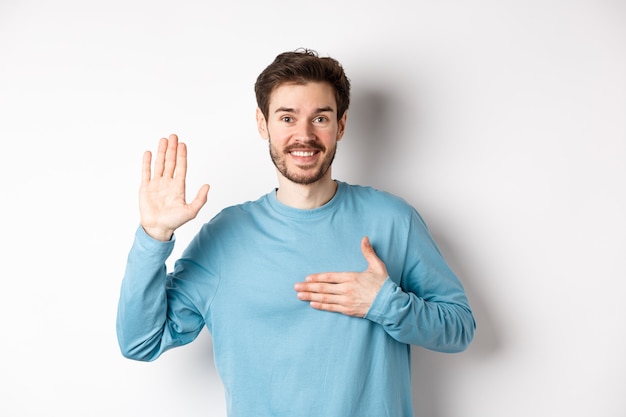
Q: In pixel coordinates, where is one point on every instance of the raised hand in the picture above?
(162, 203)
(350, 293)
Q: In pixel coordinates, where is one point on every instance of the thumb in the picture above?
(201, 198)
(373, 261)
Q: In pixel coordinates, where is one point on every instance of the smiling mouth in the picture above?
(303, 153)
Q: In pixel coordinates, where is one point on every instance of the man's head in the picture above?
(300, 67)
(302, 109)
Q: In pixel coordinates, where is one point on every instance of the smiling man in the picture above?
(313, 293)
(309, 132)
(303, 136)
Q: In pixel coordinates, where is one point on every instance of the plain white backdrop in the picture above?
(502, 122)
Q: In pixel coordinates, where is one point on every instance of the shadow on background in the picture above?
(381, 154)
(431, 370)
(370, 150)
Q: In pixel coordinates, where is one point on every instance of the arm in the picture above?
(153, 316)
(426, 306)
(150, 318)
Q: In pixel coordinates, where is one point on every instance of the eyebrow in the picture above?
(292, 110)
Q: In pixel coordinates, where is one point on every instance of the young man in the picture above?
(313, 293)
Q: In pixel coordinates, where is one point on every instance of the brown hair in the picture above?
(302, 66)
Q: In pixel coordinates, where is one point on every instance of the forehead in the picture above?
(303, 96)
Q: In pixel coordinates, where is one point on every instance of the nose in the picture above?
(304, 131)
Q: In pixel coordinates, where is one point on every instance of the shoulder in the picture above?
(376, 199)
(239, 214)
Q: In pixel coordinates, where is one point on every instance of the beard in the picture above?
(307, 174)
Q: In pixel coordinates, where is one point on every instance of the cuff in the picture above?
(376, 312)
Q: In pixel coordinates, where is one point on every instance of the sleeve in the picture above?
(426, 306)
(153, 314)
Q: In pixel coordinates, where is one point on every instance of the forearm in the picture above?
(442, 325)
(142, 307)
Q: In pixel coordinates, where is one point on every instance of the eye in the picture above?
(287, 119)
(320, 119)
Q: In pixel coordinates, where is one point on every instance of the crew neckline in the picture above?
(303, 214)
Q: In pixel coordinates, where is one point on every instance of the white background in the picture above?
(502, 122)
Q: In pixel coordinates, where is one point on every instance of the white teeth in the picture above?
(302, 153)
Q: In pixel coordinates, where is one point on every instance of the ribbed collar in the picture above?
(308, 214)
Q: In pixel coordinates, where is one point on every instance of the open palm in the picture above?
(162, 203)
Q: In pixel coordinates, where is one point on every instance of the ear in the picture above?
(341, 128)
(261, 124)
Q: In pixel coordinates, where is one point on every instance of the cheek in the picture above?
(331, 136)
(278, 135)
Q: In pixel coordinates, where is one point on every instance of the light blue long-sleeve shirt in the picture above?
(276, 355)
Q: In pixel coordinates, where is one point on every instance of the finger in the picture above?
(180, 168)
(366, 248)
(201, 198)
(329, 277)
(318, 288)
(356, 311)
(159, 162)
(170, 156)
(145, 167)
(324, 298)
(373, 261)
(335, 308)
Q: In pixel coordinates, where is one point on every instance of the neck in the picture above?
(305, 197)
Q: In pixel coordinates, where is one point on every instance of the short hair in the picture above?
(301, 67)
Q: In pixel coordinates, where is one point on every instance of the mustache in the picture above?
(305, 146)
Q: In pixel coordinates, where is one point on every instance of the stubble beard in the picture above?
(311, 175)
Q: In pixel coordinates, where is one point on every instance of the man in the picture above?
(313, 293)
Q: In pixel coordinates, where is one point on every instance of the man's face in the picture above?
(303, 130)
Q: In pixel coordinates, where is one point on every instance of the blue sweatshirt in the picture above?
(275, 355)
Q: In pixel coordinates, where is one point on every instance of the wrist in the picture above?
(163, 235)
